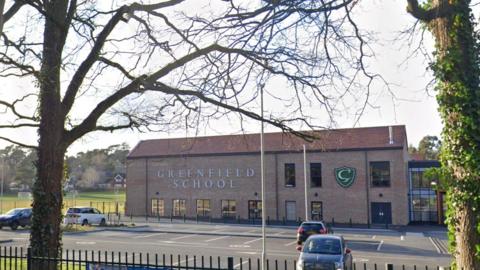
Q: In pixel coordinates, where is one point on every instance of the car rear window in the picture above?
(313, 226)
(323, 246)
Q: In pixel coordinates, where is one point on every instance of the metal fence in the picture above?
(104, 207)
(15, 258)
(236, 220)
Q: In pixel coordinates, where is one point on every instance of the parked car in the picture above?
(325, 252)
(84, 216)
(309, 228)
(16, 217)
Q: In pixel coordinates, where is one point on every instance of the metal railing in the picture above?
(15, 258)
(104, 207)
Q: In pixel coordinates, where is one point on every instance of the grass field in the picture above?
(104, 201)
(21, 264)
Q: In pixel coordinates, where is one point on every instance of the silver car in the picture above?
(324, 252)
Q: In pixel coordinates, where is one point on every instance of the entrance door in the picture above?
(317, 211)
(290, 208)
(254, 209)
(381, 213)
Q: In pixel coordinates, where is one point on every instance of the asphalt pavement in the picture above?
(244, 241)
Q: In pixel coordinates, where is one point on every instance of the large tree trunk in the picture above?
(457, 70)
(45, 239)
(466, 238)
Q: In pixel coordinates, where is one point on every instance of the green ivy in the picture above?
(456, 69)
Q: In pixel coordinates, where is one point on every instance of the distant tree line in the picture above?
(90, 170)
(428, 148)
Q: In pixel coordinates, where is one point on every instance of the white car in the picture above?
(84, 215)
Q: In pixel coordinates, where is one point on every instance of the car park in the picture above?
(16, 217)
(308, 228)
(84, 215)
(324, 252)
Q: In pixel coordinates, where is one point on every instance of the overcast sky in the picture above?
(409, 105)
(406, 102)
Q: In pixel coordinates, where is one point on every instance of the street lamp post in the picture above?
(305, 180)
(1, 187)
(262, 173)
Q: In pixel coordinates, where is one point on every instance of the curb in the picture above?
(106, 228)
(83, 232)
(203, 233)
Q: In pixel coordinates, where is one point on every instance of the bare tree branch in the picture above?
(442, 10)
(13, 108)
(18, 143)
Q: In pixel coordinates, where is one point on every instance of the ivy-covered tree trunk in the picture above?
(45, 238)
(457, 72)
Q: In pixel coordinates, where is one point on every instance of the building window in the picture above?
(203, 208)
(229, 208)
(254, 209)
(317, 210)
(289, 174)
(315, 174)
(179, 208)
(380, 173)
(424, 207)
(418, 181)
(158, 208)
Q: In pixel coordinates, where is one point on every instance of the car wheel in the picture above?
(14, 225)
(103, 222)
(1, 227)
(84, 222)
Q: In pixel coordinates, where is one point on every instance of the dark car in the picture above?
(16, 217)
(324, 252)
(309, 228)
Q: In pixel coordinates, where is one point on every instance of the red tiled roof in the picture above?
(329, 140)
(417, 156)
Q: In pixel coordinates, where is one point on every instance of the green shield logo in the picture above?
(345, 176)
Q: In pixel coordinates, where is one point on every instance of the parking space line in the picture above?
(147, 235)
(290, 244)
(402, 238)
(435, 245)
(373, 237)
(238, 264)
(380, 245)
(184, 236)
(182, 261)
(251, 241)
(218, 238)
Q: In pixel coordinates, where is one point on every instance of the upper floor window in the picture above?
(289, 174)
(419, 181)
(380, 173)
(315, 174)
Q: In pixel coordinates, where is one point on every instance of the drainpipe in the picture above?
(367, 180)
(146, 186)
(276, 187)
